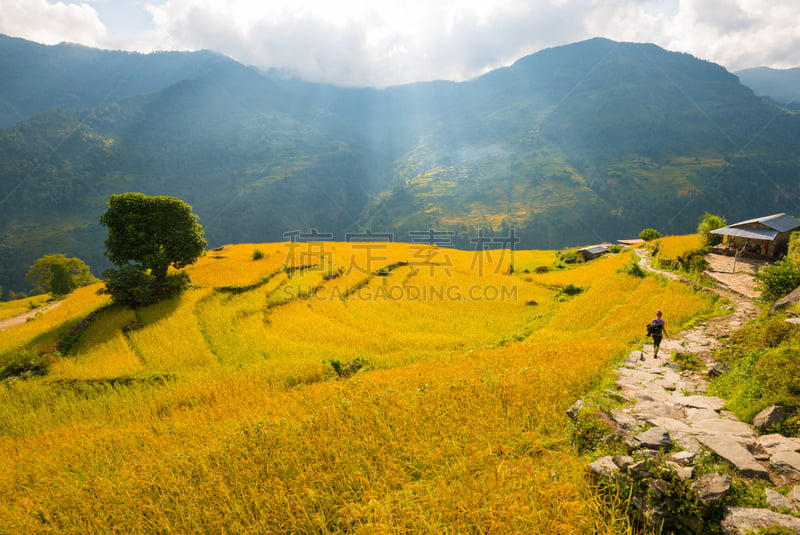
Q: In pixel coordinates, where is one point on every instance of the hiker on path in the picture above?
(657, 329)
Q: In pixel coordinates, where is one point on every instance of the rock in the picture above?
(768, 417)
(786, 302)
(652, 439)
(683, 472)
(639, 470)
(719, 426)
(687, 442)
(573, 411)
(741, 520)
(625, 421)
(777, 500)
(699, 402)
(728, 448)
(654, 409)
(787, 463)
(659, 487)
(603, 467)
(670, 424)
(698, 415)
(711, 488)
(718, 369)
(683, 457)
(794, 496)
(623, 461)
(636, 356)
(775, 443)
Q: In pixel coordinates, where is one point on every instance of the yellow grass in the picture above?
(456, 426)
(674, 246)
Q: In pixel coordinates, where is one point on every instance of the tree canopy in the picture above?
(58, 274)
(708, 223)
(152, 232)
(147, 235)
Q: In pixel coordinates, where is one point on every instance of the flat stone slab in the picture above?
(670, 424)
(654, 409)
(721, 426)
(651, 393)
(777, 500)
(740, 520)
(653, 439)
(699, 415)
(699, 402)
(787, 463)
(625, 421)
(686, 441)
(776, 443)
(729, 449)
(711, 488)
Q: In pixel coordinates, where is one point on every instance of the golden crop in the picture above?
(232, 418)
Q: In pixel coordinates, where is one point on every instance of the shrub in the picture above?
(778, 279)
(569, 255)
(542, 269)
(589, 428)
(633, 267)
(571, 289)
(649, 234)
(258, 254)
(346, 369)
(25, 363)
(615, 249)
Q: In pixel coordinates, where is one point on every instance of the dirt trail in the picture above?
(19, 319)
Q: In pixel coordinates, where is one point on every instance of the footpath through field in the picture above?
(19, 319)
(672, 400)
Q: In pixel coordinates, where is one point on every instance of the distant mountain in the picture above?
(39, 77)
(573, 145)
(781, 85)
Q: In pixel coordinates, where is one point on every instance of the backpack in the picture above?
(654, 329)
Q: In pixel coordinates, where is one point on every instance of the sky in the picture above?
(390, 42)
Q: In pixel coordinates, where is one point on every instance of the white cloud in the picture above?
(50, 23)
(386, 42)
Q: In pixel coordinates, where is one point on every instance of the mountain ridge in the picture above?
(572, 145)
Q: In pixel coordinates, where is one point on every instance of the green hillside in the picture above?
(577, 144)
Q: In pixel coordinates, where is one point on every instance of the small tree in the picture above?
(59, 274)
(147, 235)
(708, 223)
(649, 234)
(778, 279)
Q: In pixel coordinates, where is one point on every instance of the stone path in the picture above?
(735, 274)
(670, 401)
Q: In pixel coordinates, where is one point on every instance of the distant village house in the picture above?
(590, 253)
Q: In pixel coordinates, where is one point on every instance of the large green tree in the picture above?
(152, 233)
(59, 274)
(147, 235)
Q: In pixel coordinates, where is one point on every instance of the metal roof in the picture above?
(780, 222)
(749, 233)
(595, 249)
